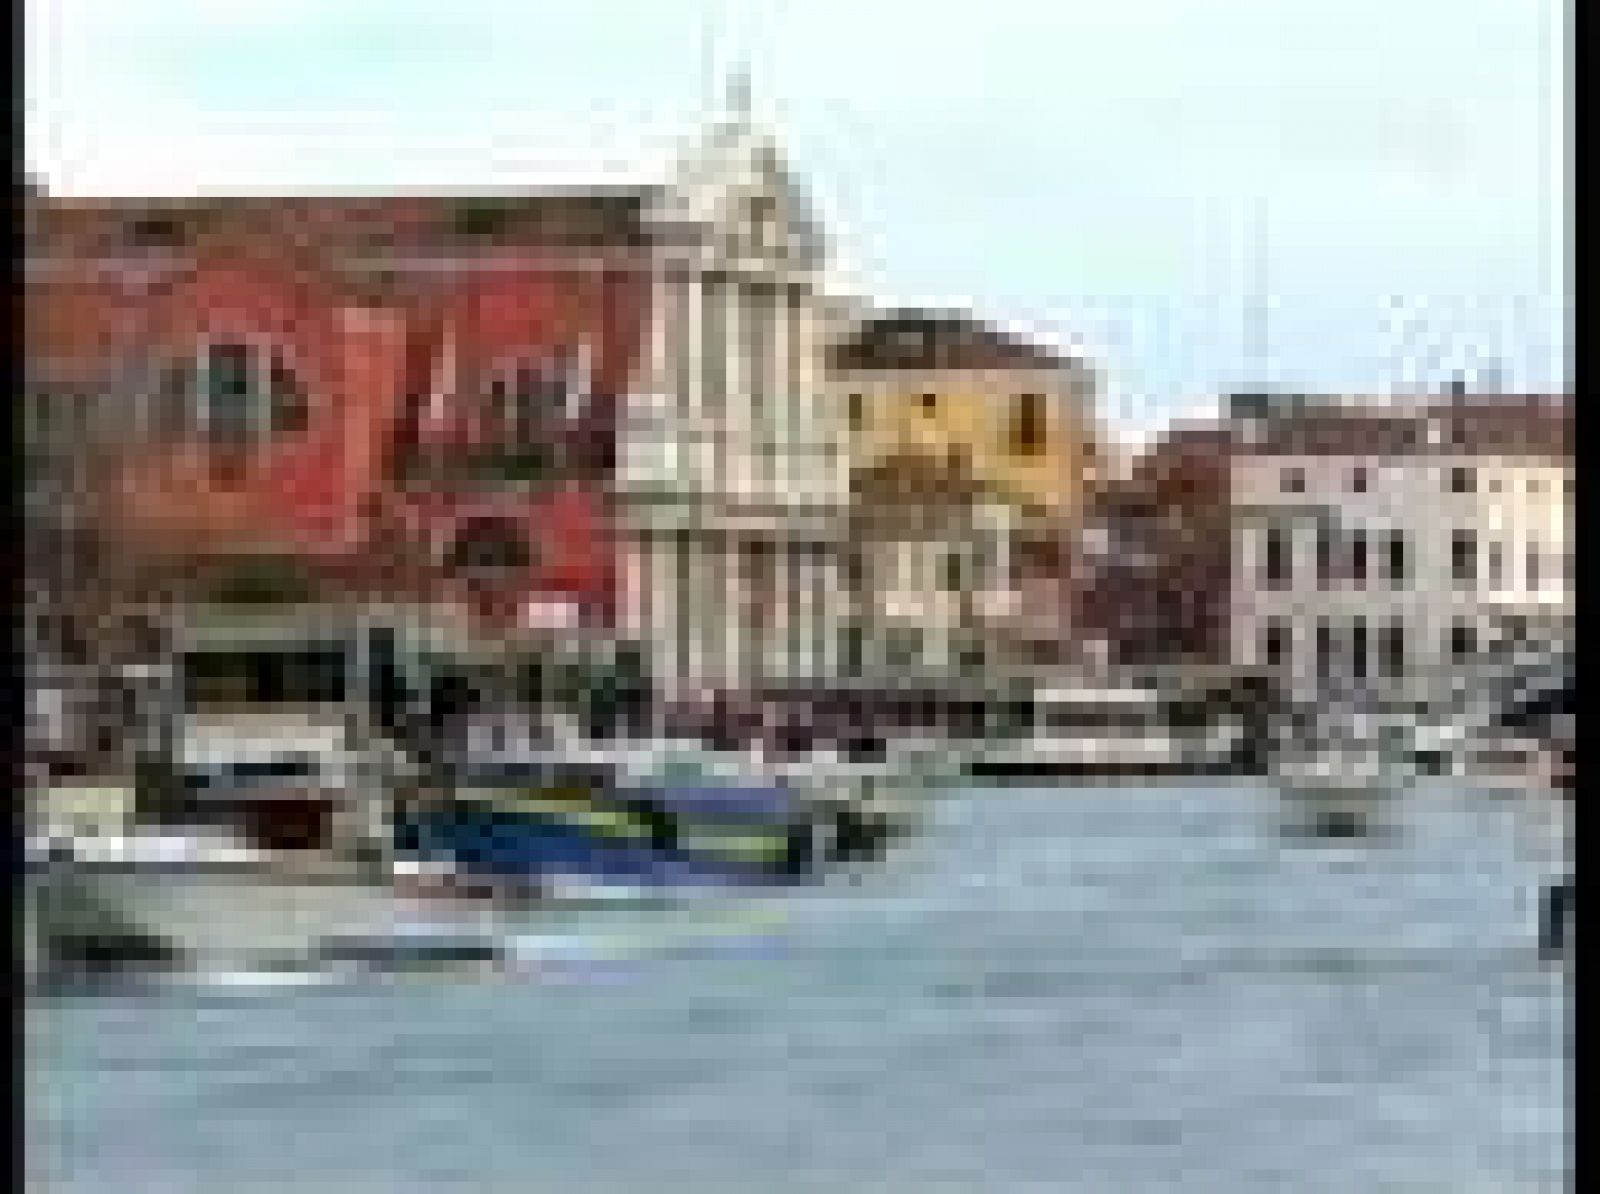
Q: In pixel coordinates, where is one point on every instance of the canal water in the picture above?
(1111, 990)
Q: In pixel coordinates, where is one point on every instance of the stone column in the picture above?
(734, 424)
(672, 640)
(666, 334)
(689, 385)
(689, 332)
(1243, 627)
(784, 627)
(781, 475)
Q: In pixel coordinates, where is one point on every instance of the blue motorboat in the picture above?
(553, 828)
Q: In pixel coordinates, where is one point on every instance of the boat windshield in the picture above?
(717, 804)
(1097, 717)
(285, 767)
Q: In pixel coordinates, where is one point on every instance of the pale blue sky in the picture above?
(1089, 169)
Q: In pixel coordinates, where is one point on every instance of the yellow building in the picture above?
(965, 444)
(1017, 416)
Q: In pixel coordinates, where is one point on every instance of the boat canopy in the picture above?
(746, 803)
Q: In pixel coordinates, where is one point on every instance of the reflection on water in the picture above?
(1097, 990)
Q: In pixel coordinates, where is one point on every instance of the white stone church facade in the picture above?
(732, 467)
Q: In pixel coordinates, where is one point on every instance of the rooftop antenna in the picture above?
(727, 92)
(1255, 328)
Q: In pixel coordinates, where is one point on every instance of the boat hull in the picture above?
(589, 848)
(205, 917)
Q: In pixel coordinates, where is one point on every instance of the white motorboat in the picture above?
(209, 901)
(1342, 775)
(1109, 732)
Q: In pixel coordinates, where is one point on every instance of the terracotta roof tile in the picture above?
(1477, 424)
(928, 340)
(609, 217)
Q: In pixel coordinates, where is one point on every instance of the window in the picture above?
(1464, 556)
(856, 412)
(1463, 641)
(526, 391)
(1462, 480)
(1274, 643)
(232, 391)
(953, 572)
(852, 649)
(1497, 565)
(1358, 480)
(1275, 562)
(229, 384)
(1358, 648)
(1392, 649)
(855, 574)
(1027, 425)
(1325, 649)
(1396, 562)
(1535, 570)
(928, 402)
(1324, 556)
(1292, 480)
(1535, 485)
(1357, 547)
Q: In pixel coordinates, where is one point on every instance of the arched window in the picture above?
(526, 391)
(232, 390)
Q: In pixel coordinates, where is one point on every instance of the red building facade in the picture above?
(418, 395)
(1156, 586)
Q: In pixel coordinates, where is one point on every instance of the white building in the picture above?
(1377, 544)
(731, 464)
